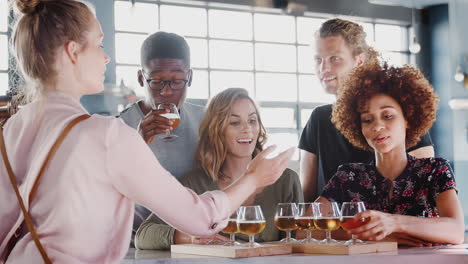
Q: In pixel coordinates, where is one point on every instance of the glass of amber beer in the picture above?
(348, 211)
(232, 229)
(306, 213)
(174, 116)
(328, 219)
(285, 219)
(250, 221)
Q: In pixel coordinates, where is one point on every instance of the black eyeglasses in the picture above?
(158, 84)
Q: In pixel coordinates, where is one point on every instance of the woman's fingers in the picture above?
(371, 234)
(285, 156)
(267, 171)
(266, 151)
(221, 237)
(199, 240)
(214, 239)
(378, 227)
(373, 222)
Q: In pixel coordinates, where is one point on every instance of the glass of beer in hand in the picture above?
(306, 213)
(285, 219)
(348, 221)
(172, 115)
(250, 221)
(328, 219)
(232, 229)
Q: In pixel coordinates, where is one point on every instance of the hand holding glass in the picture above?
(348, 211)
(174, 116)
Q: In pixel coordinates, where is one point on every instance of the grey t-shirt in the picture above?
(176, 156)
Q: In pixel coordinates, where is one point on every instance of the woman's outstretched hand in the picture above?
(267, 171)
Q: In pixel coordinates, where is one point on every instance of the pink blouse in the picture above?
(83, 209)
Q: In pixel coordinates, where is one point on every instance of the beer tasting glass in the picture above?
(348, 211)
(285, 219)
(232, 229)
(306, 213)
(328, 219)
(250, 221)
(174, 116)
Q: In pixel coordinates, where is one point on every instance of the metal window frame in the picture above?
(5, 33)
(11, 72)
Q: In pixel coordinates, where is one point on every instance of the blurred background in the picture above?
(265, 47)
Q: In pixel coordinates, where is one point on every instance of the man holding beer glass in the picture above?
(165, 75)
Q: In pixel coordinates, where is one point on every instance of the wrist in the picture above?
(249, 182)
(398, 223)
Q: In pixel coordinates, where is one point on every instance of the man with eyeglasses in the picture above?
(165, 76)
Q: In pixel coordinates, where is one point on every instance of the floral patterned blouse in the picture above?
(414, 191)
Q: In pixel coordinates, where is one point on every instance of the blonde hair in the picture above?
(353, 34)
(211, 151)
(42, 27)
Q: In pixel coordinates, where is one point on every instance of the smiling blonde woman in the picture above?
(231, 135)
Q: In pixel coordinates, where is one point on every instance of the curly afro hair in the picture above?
(406, 85)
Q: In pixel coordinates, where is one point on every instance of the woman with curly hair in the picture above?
(386, 110)
(231, 135)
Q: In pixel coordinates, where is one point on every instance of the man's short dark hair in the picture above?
(164, 45)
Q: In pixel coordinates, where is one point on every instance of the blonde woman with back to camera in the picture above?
(82, 207)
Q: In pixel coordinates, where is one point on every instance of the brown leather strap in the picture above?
(52, 151)
(27, 217)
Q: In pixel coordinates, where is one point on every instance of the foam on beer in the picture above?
(170, 115)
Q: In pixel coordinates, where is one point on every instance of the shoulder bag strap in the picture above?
(27, 217)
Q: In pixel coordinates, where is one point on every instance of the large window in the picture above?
(266, 52)
(3, 47)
